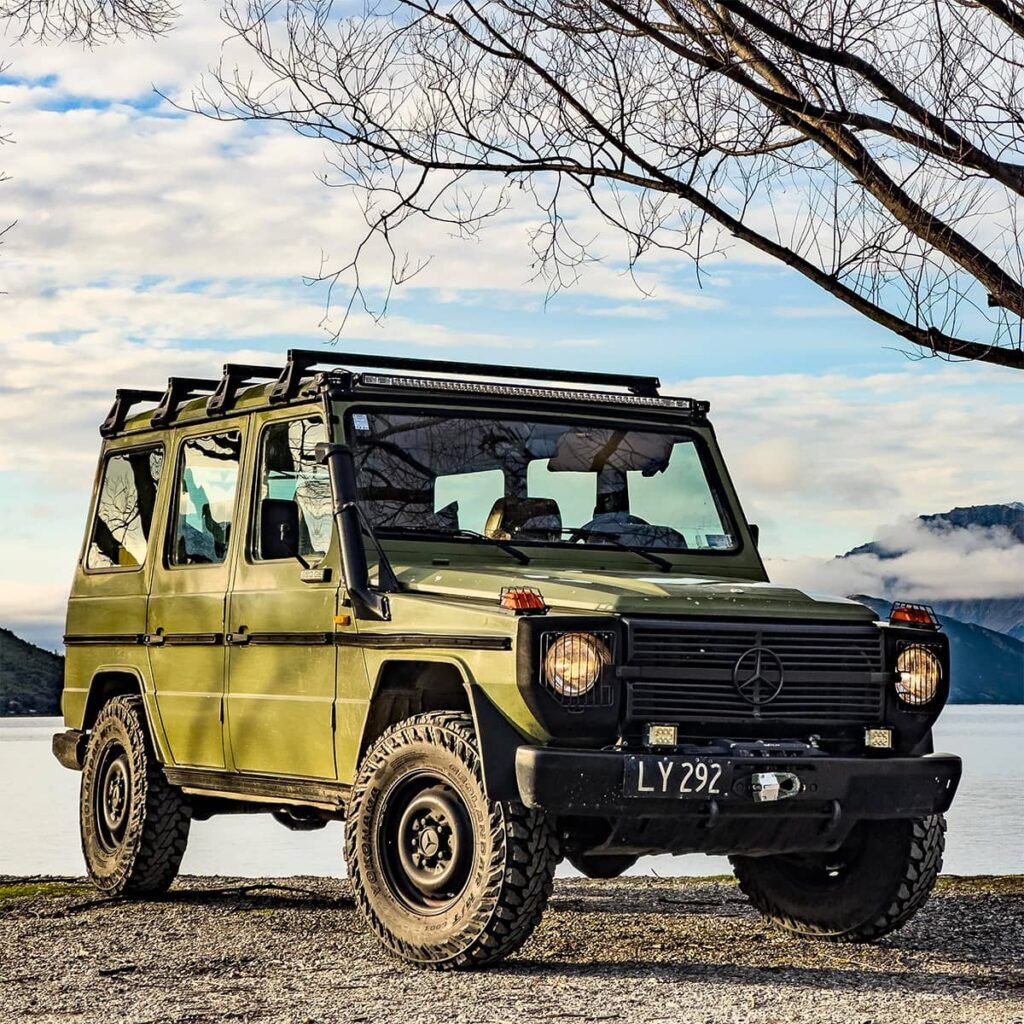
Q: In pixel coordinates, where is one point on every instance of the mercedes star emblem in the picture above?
(757, 676)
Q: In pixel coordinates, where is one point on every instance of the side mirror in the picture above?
(755, 533)
(279, 529)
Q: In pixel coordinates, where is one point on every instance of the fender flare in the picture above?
(498, 740)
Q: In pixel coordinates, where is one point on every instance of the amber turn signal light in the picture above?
(913, 614)
(522, 600)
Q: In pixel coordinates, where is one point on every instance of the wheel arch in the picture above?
(112, 681)
(412, 686)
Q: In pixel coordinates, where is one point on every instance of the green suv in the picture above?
(490, 617)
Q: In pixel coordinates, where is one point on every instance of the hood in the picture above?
(584, 591)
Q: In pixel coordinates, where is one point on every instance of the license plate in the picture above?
(685, 778)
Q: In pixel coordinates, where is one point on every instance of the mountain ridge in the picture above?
(30, 678)
(1003, 614)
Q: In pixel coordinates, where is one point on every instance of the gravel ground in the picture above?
(633, 950)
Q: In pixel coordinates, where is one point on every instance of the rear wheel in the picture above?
(601, 866)
(134, 824)
(872, 885)
(444, 877)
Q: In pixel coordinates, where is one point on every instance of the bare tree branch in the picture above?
(875, 146)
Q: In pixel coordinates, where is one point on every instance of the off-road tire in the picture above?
(144, 858)
(895, 869)
(513, 852)
(601, 866)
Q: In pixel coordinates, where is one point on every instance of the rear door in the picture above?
(281, 653)
(185, 617)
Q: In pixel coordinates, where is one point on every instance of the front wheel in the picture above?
(134, 824)
(445, 877)
(872, 885)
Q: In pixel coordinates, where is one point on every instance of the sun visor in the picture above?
(593, 450)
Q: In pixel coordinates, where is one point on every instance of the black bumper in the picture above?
(69, 748)
(835, 794)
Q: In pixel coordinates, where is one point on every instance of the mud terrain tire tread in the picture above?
(520, 873)
(922, 867)
(160, 814)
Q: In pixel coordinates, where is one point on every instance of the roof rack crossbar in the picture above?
(235, 375)
(301, 361)
(178, 390)
(124, 399)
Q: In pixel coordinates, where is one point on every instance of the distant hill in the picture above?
(987, 667)
(30, 678)
(1003, 614)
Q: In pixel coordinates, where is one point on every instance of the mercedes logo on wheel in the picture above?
(757, 676)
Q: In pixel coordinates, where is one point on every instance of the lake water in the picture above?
(39, 798)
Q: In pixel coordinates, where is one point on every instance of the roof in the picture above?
(244, 385)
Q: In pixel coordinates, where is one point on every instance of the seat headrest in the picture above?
(533, 518)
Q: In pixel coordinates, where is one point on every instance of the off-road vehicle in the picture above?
(491, 617)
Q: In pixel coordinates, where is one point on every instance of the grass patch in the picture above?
(39, 890)
(991, 885)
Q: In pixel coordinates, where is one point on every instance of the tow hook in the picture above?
(766, 787)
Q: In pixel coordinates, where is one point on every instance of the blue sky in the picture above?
(149, 242)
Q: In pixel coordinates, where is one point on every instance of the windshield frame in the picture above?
(722, 494)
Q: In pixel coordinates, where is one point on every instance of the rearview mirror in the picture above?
(279, 529)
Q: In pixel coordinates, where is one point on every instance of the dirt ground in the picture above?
(634, 950)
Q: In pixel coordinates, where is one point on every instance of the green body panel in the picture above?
(288, 708)
(280, 696)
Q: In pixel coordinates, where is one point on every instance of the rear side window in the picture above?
(294, 498)
(205, 502)
(124, 512)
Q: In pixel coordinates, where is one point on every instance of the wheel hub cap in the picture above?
(432, 841)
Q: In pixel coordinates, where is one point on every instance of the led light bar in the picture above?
(526, 391)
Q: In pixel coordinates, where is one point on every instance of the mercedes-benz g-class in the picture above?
(490, 617)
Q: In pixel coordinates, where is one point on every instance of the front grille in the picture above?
(685, 670)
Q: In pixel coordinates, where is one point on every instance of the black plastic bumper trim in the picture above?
(590, 783)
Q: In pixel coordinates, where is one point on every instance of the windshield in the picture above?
(526, 480)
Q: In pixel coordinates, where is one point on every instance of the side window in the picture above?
(124, 512)
(293, 508)
(205, 503)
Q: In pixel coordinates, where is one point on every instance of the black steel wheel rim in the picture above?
(112, 795)
(425, 840)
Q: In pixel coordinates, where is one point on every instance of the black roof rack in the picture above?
(124, 399)
(235, 375)
(179, 389)
(301, 361)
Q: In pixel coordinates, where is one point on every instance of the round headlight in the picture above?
(573, 663)
(919, 673)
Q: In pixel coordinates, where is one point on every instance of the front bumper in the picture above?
(836, 793)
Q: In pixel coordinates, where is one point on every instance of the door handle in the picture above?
(239, 639)
(154, 639)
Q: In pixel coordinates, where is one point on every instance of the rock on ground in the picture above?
(633, 950)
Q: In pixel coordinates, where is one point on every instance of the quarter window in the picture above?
(124, 512)
(205, 504)
(295, 492)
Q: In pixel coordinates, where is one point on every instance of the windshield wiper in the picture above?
(520, 556)
(662, 563)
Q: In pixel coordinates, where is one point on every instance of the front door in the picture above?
(185, 619)
(281, 653)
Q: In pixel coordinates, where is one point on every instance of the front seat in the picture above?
(529, 518)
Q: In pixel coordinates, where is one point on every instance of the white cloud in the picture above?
(931, 565)
(821, 460)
